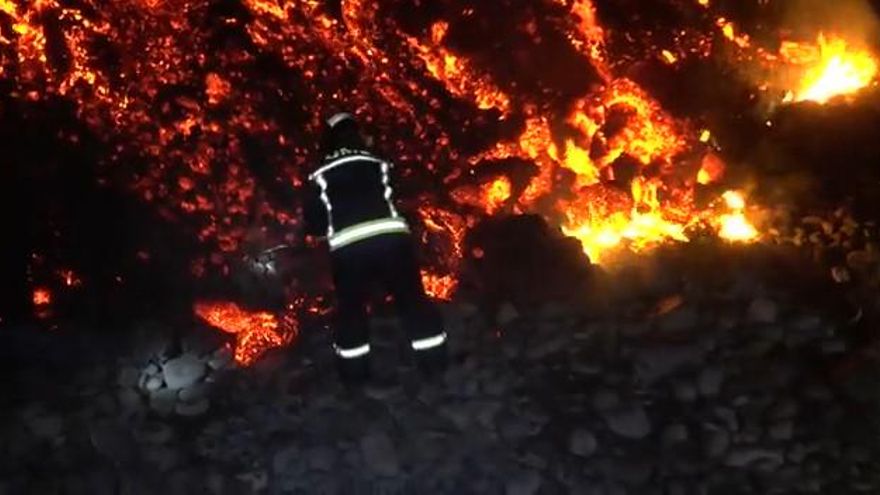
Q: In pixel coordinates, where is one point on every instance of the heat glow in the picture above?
(187, 95)
(255, 331)
(831, 67)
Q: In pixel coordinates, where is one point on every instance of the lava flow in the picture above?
(255, 331)
(830, 68)
(203, 107)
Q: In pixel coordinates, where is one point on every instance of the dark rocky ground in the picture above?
(701, 369)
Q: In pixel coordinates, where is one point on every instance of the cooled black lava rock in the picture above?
(548, 265)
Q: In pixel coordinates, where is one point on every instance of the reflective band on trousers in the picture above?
(429, 343)
(354, 352)
(366, 230)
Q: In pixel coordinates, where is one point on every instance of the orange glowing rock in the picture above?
(460, 78)
(668, 57)
(195, 168)
(216, 88)
(496, 194)
(712, 169)
(42, 297)
(255, 331)
(440, 287)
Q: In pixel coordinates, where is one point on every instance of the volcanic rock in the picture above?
(153, 432)
(220, 359)
(43, 425)
(526, 482)
(162, 401)
(685, 391)
(514, 426)
(680, 320)
(153, 383)
(128, 377)
(183, 371)
(289, 462)
(605, 399)
(630, 472)
(629, 421)
(655, 363)
(321, 458)
(582, 442)
(728, 417)
(716, 442)
(763, 310)
(674, 434)
(834, 346)
(162, 457)
(193, 393)
(196, 408)
(507, 314)
(710, 381)
(781, 430)
(129, 400)
(783, 409)
(113, 441)
(379, 454)
(745, 456)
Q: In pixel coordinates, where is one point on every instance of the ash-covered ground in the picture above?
(699, 369)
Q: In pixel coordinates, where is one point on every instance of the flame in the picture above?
(831, 68)
(255, 331)
(603, 226)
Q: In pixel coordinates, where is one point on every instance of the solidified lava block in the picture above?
(524, 260)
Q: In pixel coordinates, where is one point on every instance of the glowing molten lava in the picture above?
(255, 331)
(204, 108)
(735, 227)
(42, 297)
(831, 68)
(603, 224)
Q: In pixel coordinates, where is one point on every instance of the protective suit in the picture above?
(352, 204)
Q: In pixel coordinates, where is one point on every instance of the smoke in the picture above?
(856, 19)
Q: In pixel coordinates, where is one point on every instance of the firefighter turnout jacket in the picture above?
(353, 199)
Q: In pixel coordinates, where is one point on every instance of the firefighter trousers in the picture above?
(387, 261)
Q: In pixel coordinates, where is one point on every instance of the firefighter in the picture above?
(352, 204)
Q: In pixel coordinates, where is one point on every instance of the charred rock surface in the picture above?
(708, 368)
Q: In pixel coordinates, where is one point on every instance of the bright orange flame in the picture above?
(255, 331)
(830, 68)
(602, 226)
